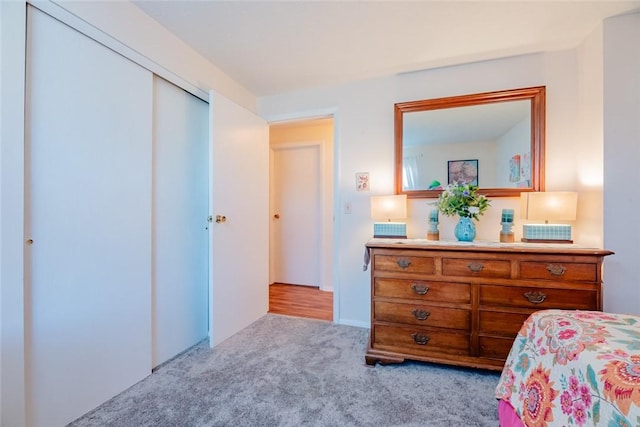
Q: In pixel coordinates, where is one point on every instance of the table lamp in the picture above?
(548, 206)
(387, 208)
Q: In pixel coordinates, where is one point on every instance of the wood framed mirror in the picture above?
(493, 139)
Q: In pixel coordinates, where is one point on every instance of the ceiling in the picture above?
(272, 47)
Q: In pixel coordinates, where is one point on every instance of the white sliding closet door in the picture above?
(240, 245)
(88, 196)
(180, 228)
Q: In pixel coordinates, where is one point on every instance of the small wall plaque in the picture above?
(362, 181)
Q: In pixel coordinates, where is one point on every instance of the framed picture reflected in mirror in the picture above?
(462, 171)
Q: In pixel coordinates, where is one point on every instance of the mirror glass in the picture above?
(494, 140)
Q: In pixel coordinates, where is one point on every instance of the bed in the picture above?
(571, 368)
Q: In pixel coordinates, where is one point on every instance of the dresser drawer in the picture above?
(495, 348)
(559, 271)
(476, 267)
(423, 315)
(496, 322)
(538, 298)
(419, 341)
(424, 290)
(404, 264)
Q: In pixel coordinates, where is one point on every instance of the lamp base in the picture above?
(545, 241)
(389, 230)
(433, 235)
(506, 237)
(546, 233)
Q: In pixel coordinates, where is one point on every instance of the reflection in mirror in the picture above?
(494, 140)
(475, 138)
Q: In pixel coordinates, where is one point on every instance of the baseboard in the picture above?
(351, 322)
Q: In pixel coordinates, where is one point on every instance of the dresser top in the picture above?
(487, 246)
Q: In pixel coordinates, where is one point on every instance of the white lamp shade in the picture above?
(389, 207)
(550, 205)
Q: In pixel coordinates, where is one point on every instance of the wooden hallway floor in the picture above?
(300, 301)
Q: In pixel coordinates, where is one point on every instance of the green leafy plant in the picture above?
(462, 200)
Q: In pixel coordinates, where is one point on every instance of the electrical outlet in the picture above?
(347, 208)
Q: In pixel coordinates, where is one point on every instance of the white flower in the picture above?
(474, 210)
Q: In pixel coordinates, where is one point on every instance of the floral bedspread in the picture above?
(574, 368)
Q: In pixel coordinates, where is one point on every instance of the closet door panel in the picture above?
(88, 176)
(180, 227)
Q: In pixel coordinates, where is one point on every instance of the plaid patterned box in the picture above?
(546, 231)
(390, 229)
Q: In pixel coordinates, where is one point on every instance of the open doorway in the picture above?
(301, 223)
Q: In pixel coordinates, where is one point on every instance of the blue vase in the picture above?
(465, 230)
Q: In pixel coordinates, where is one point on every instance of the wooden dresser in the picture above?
(463, 303)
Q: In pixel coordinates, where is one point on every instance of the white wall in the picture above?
(590, 107)
(364, 142)
(622, 156)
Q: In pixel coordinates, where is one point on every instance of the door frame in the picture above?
(328, 258)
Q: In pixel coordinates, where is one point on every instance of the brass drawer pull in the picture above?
(403, 263)
(476, 267)
(556, 270)
(420, 289)
(421, 314)
(535, 297)
(419, 338)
